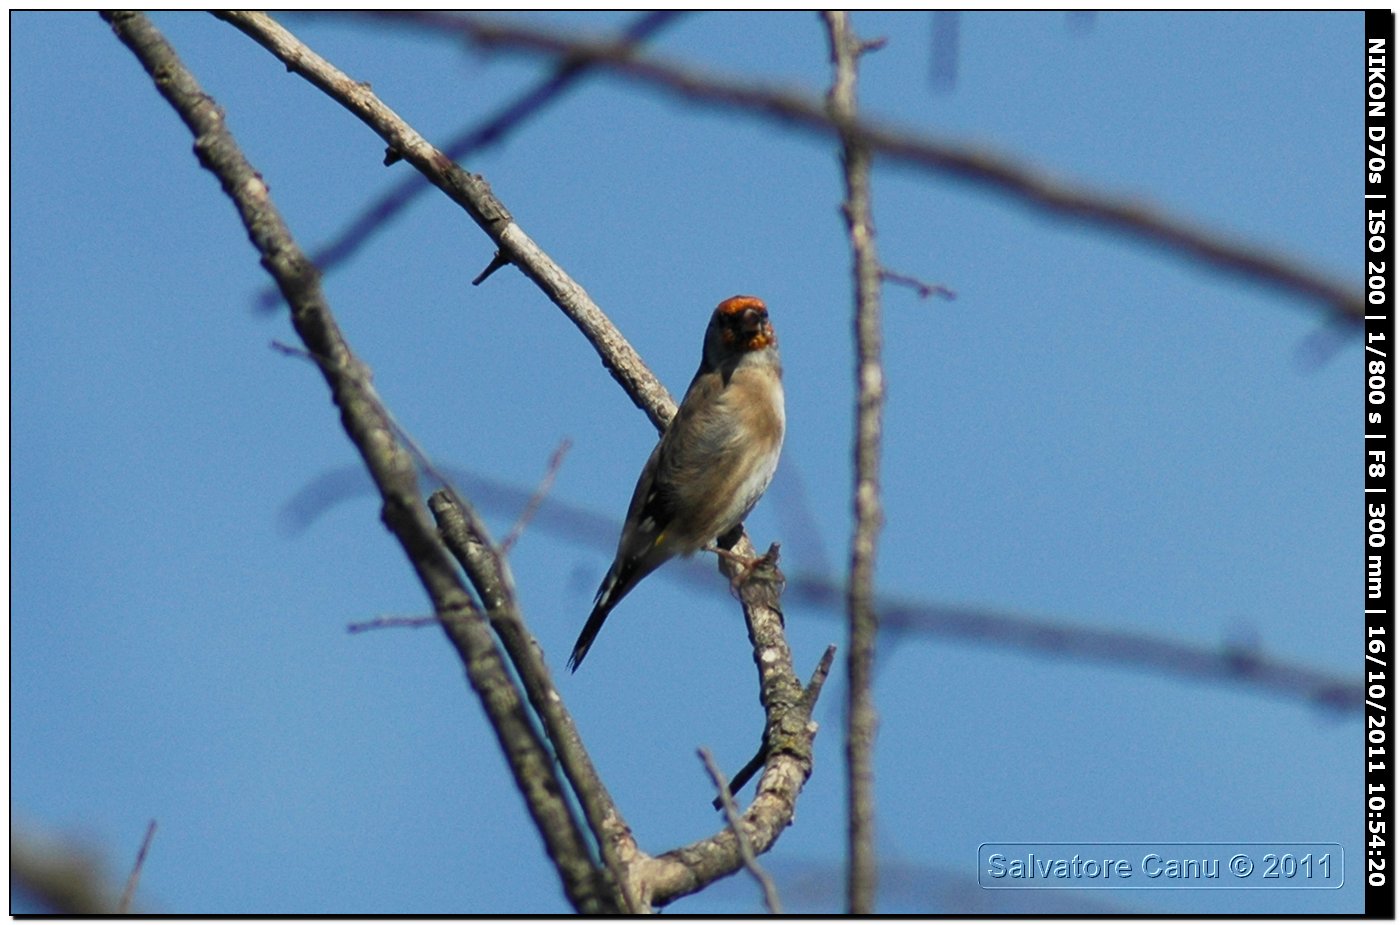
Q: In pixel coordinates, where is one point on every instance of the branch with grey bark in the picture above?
(466, 536)
(787, 739)
(863, 624)
(371, 430)
(473, 194)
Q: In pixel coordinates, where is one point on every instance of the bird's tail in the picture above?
(590, 632)
(615, 586)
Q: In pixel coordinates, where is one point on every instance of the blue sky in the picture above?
(1092, 433)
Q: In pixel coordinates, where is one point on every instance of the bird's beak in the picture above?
(751, 321)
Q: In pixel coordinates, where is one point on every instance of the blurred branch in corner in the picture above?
(57, 876)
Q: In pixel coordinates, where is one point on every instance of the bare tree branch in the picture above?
(788, 733)
(486, 567)
(998, 173)
(787, 740)
(923, 289)
(375, 216)
(1048, 637)
(473, 194)
(731, 813)
(864, 622)
(370, 429)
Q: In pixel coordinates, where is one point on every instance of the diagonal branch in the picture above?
(375, 216)
(129, 891)
(731, 813)
(998, 173)
(486, 567)
(370, 429)
(864, 622)
(473, 194)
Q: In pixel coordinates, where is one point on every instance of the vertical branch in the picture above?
(870, 390)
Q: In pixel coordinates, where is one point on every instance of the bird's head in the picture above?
(739, 326)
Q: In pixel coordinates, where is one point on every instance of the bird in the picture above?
(712, 463)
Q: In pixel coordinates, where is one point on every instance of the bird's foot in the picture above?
(761, 567)
(744, 562)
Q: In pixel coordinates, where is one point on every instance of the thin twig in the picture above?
(925, 290)
(499, 261)
(290, 350)
(744, 774)
(813, 690)
(556, 460)
(382, 623)
(368, 424)
(864, 624)
(736, 825)
(998, 173)
(128, 894)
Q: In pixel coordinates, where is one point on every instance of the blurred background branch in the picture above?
(1005, 175)
(809, 586)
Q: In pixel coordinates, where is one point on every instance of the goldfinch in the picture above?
(711, 465)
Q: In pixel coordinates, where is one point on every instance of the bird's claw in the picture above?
(763, 568)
